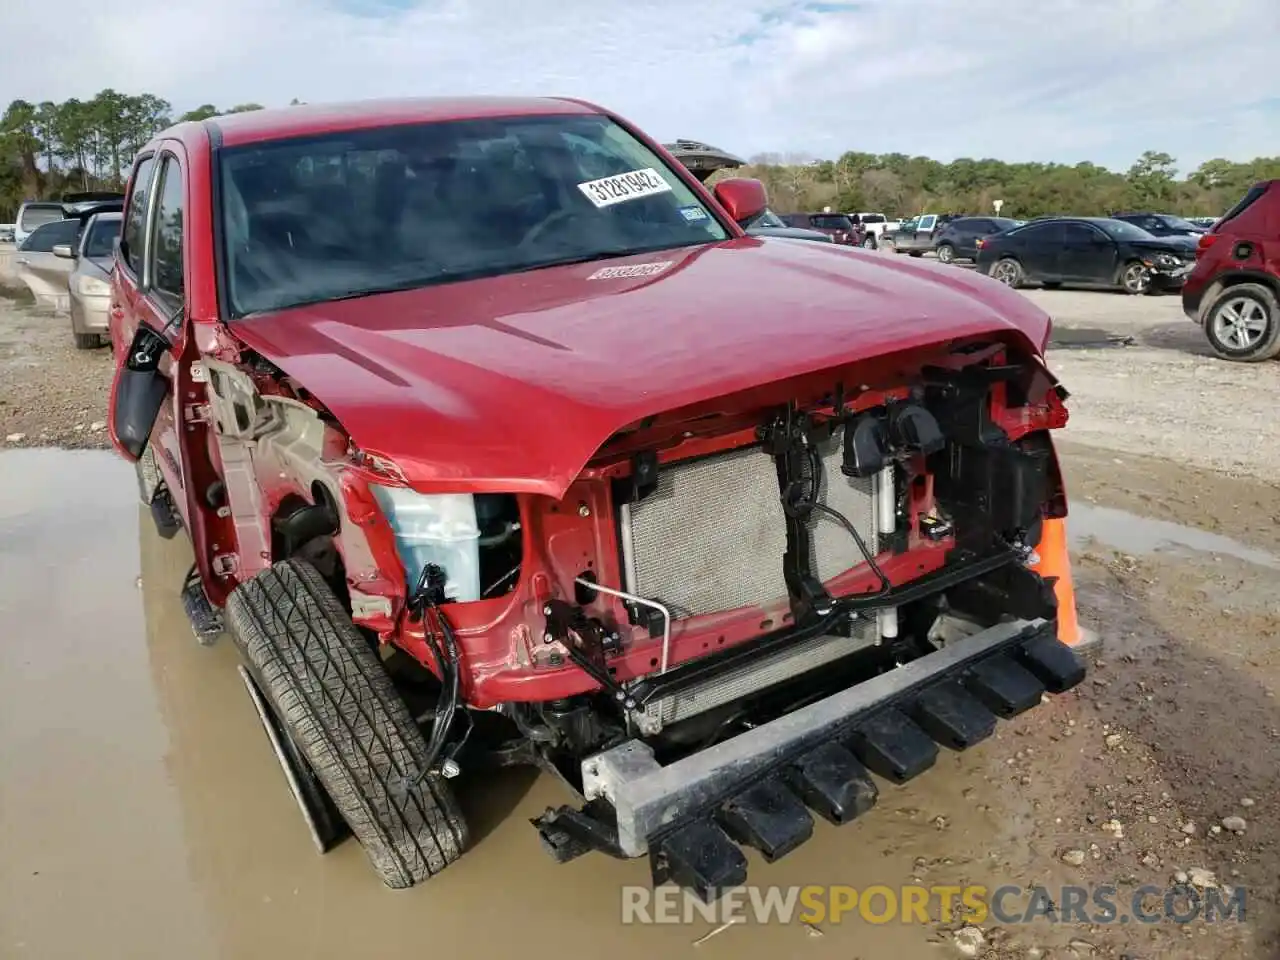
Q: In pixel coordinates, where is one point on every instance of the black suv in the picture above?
(836, 225)
(958, 239)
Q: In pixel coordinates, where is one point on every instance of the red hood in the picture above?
(512, 383)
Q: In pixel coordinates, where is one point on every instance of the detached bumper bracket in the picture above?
(753, 789)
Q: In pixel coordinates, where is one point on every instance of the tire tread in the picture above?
(341, 709)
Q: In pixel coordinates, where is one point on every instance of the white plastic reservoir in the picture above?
(436, 528)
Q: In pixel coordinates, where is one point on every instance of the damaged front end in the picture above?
(788, 600)
(736, 616)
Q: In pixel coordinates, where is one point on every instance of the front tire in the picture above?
(869, 241)
(1243, 323)
(337, 704)
(946, 253)
(87, 341)
(1135, 278)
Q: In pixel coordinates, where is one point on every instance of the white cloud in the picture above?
(1064, 80)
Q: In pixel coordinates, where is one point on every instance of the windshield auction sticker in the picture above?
(607, 191)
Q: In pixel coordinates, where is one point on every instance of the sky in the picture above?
(1049, 80)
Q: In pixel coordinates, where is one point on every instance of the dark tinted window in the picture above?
(135, 222)
(1081, 233)
(44, 239)
(829, 221)
(1038, 233)
(1245, 203)
(101, 237)
(166, 242)
(999, 224)
(872, 218)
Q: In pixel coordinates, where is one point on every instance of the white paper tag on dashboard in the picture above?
(607, 191)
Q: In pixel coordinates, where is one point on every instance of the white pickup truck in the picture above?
(874, 226)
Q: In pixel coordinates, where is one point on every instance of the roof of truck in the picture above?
(254, 126)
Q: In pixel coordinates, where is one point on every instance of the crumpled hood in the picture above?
(512, 383)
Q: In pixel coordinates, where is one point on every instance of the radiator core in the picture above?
(712, 536)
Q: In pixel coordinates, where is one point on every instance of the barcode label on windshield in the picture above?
(607, 191)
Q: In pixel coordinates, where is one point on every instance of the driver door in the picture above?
(148, 322)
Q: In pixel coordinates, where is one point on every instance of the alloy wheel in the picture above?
(1136, 278)
(1240, 323)
(1006, 271)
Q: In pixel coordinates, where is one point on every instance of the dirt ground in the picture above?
(150, 809)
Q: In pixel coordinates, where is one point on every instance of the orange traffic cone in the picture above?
(1055, 561)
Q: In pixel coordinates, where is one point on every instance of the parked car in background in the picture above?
(6, 232)
(1161, 224)
(915, 236)
(958, 239)
(36, 213)
(1234, 290)
(1205, 222)
(769, 224)
(45, 273)
(874, 226)
(33, 215)
(836, 225)
(89, 285)
(1087, 250)
(702, 160)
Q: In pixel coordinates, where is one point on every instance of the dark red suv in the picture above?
(1234, 290)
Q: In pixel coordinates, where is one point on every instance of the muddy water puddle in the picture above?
(1134, 534)
(142, 814)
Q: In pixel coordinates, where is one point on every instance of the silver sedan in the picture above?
(90, 280)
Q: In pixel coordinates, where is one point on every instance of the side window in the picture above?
(1046, 233)
(135, 220)
(44, 239)
(927, 223)
(166, 241)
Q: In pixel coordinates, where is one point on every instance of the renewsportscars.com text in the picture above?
(913, 903)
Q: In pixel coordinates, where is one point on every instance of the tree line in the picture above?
(47, 149)
(898, 185)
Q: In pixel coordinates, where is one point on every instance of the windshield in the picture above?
(767, 218)
(1123, 230)
(1177, 223)
(393, 208)
(101, 237)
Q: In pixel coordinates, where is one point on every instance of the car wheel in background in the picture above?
(1243, 323)
(869, 241)
(1008, 271)
(946, 253)
(1135, 278)
(915, 253)
(87, 341)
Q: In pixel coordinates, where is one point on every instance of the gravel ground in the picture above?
(51, 394)
(1128, 779)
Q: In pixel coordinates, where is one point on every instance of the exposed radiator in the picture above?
(796, 659)
(831, 550)
(711, 537)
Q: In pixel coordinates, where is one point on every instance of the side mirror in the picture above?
(64, 251)
(742, 198)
